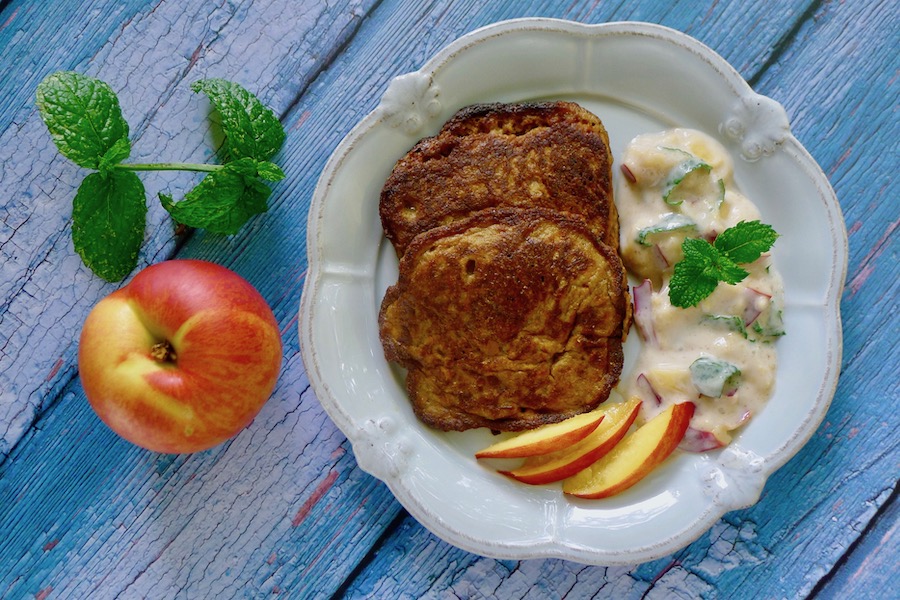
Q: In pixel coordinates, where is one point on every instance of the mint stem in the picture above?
(168, 167)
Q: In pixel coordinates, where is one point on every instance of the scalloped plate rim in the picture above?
(548, 545)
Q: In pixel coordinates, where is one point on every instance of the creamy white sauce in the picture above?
(736, 325)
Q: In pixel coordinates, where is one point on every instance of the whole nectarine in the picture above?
(181, 358)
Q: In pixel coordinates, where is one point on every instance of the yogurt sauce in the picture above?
(718, 354)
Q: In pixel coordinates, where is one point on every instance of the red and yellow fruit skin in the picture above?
(221, 365)
(570, 460)
(547, 438)
(634, 457)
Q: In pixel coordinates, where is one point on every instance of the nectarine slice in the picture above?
(568, 461)
(634, 457)
(545, 438)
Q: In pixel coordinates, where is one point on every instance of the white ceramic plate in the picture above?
(638, 78)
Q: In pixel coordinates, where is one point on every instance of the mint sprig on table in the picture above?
(109, 211)
(706, 264)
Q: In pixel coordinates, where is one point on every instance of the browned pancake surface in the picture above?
(545, 154)
(508, 319)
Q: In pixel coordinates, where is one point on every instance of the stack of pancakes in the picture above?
(512, 305)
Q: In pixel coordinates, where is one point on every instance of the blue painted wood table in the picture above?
(283, 508)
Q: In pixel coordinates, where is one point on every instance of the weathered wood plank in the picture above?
(871, 568)
(283, 508)
(150, 61)
(100, 518)
(35, 38)
(91, 516)
(176, 45)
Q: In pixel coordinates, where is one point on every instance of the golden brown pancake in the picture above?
(541, 154)
(508, 319)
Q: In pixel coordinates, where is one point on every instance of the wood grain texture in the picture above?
(819, 503)
(150, 62)
(123, 521)
(92, 516)
(35, 40)
(872, 564)
(283, 508)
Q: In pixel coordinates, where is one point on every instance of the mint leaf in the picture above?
(704, 265)
(222, 202)
(251, 129)
(83, 116)
(115, 155)
(699, 251)
(732, 322)
(690, 284)
(729, 272)
(694, 277)
(269, 171)
(687, 166)
(720, 195)
(243, 166)
(266, 170)
(670, 222)
(109, 212)
(746, 241)
(713, 377)
(108, 220)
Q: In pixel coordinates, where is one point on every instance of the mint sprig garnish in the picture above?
(109, 210)
(706, 264)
